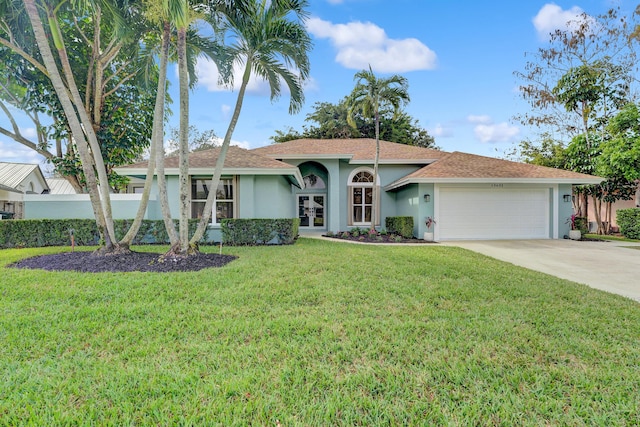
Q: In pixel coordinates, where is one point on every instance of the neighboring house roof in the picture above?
(358, 151)
(5, 188)
(60, 186)
(12, 175)
(238, 161)
(464, 167)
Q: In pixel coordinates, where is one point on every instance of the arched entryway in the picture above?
(311, 201)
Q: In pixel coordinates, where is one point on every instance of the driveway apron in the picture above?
(609, 266)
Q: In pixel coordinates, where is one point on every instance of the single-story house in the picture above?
(16, 180)
(328, 184)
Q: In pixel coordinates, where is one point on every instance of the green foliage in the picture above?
(629, 222)
(621, 152)
(583, 75)
(331, 123)
(198, 140)
(259, 231)
(581, 223)
(401, 225)
(546, 152)
(125, 107)
(356, 231)
(57, 232)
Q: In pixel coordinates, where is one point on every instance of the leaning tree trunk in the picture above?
(70, 113)
(95, 150)
(157, 137)
(217, 172)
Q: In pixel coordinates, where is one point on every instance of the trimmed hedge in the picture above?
(629, 222)
(402, 225)
(29, 233)
(259, 231)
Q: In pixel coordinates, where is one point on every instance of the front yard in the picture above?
(318, 333)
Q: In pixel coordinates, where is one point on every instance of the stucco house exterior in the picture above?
(328, 184)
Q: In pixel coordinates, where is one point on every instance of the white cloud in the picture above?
(208, 77)
(494, 133)
(552, 17)
(360, 44)
(335, 1)
(483, 119)
(440, 131)
(17, 153)
(226, 111)
(29, 132)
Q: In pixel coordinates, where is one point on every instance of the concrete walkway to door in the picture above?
(608, 266)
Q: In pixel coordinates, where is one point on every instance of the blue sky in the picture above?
(458, 56)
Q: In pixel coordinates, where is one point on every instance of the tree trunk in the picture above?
(157, 139)
(95, 152)
(597, 205)
(217, 172)
(183, 141)
(70, 113)
(374, 194)
(162, 182)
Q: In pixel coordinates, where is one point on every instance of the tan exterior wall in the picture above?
(622, 204)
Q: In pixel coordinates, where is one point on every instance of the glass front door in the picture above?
(311, 210)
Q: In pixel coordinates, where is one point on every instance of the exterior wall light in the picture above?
(427, 198)
(566, 198)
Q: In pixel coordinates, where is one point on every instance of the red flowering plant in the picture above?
(429, 222)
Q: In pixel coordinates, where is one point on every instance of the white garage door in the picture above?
(493, 213)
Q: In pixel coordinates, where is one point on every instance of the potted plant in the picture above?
(429, 222)
(574, 233)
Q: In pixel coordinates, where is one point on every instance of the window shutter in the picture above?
(350, 207)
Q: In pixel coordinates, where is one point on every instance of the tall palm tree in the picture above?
(268, 43)
(369, 96)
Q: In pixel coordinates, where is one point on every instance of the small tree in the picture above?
(370, 95)
(269, 39)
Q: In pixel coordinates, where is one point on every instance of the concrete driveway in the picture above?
(608, 266)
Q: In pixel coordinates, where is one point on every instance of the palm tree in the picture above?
(178, 16)
(370, 95)
(268, 43)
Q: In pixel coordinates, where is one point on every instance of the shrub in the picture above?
(629, 222)
(57, 232)
(581, 223)
(402, 225)
(259, 231)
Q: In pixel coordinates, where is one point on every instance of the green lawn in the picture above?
(314, 334)
(610, 237)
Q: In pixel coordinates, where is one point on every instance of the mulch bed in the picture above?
(133, 261)
(380, 238)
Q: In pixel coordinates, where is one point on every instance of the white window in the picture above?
(361, 188)
(224, 205)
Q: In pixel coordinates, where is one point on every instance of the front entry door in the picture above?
(311, 210)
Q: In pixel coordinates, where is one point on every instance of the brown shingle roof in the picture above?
(237, 158)
(466, 166)
(357, 150)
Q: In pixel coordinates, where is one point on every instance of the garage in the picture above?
(494, 212)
